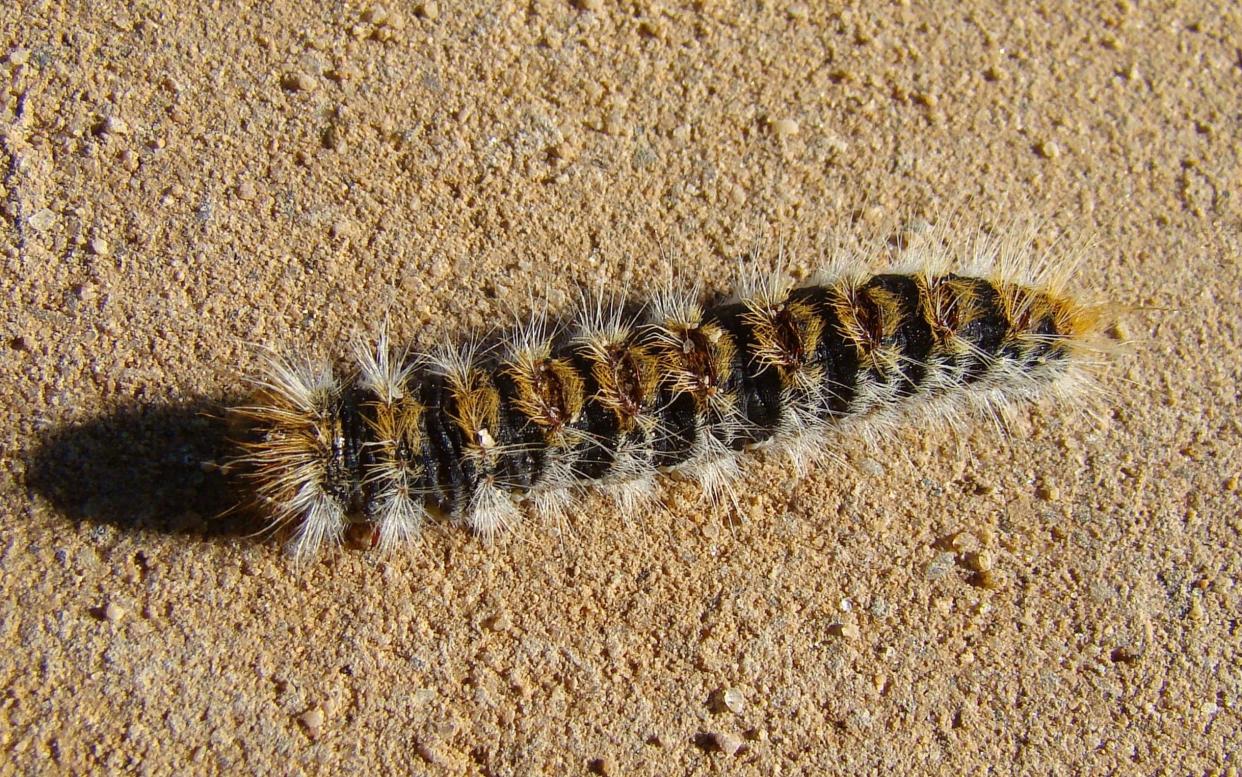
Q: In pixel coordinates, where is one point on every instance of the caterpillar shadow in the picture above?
(141, 468)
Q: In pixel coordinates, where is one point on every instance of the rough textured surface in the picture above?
(179, 184)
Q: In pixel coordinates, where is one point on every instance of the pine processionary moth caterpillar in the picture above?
(620, 396)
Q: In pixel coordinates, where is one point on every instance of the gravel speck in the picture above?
(312, 720)
(784, 128)
(298, 82)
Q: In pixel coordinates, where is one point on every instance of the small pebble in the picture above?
(422, 697)
(871, 467)
(113, 125)
(312, 720)
(733, 700)
(246, 191)
(784, 128)
(42, 219)
(1048, 149)
(614, 123)
(298, 82)
(941, 565)
(100, 247)
(978, 562)
(725, 742)
(429, 10)
(844, 630)
(591, 5)
(19, 56)
(431, 754)
(113, 612)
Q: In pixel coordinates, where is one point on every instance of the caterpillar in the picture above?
(622, 394)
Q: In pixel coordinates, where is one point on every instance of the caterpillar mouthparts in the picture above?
(620, 396)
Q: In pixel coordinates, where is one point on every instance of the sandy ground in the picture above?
(178, 185)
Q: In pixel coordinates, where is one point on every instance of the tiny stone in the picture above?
(784, 128)
(836, 143)
(844, 630)
(1048, 149)
(312, 719)
(19, 56)
(978, 562)
(340, 229)
(733, 700)
(100, 247)
(246, 191)
(114, 126)
(343, 73)
(1048, 492)
(298, 82)
(871, 467)
(429, 10)
(42, 219)
(590, 5)
(113, 612)
(375, 15)
(725, 742)
(614, 124)
(423, 697)
(940, 566)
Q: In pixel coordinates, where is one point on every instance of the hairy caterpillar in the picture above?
(621, 395)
